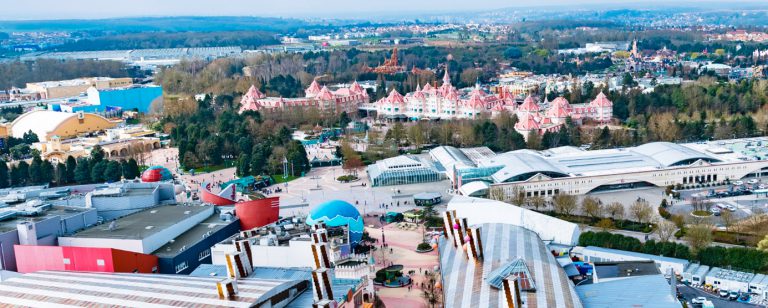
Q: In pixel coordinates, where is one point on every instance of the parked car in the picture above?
(753, 181)
(721, 206)
(730, 207)
(715, 211)
(699, 300)
(744, 298)
(733, 295)
(738, 183)
(724, 293)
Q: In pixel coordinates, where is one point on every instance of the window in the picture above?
(204, 254)
(100, 262)
(181, 266)
(67, 261)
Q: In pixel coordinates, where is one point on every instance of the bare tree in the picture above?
(537, 202)
(728, 219)
(430, 292)
(641, 211)
(591, 207)
(615, 210)
(665, 229)
(565, 204)
(698, 236)
(517, 195)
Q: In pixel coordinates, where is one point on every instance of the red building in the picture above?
(257, 213)
(30, 258)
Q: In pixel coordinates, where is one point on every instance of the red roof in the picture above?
(601, 101)
(529, 105)
(325, 94)
(395, 97)
(314, 88)
(528, 122)
(356, 88)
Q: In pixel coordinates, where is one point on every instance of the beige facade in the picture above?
(698, 173)
(57, 150)
(46, 124)
(74, 87)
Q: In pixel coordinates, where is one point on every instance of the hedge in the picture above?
(745, 259)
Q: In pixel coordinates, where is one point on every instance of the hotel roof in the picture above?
(81, 289)
(465, 283)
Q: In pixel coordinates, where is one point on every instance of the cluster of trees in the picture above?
(84, 170)
(148, 40)
(212, 130)
(747, 259)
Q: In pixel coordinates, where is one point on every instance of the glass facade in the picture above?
(396, 176)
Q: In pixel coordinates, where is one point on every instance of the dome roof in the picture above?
(336, 213)
(156, 174)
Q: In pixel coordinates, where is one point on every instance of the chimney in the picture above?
(245, 246)
(27, 233)
(511, 286)
(238, 265)
(448, 226)
(227, 288)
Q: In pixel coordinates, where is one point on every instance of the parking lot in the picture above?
(742, 198)
(689, 293)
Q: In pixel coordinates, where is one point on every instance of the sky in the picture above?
(94, 9)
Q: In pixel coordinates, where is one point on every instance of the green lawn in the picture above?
(279, 178)
(206, 169)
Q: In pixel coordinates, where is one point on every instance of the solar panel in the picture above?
(515, 268)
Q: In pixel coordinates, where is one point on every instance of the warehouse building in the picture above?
(125, 198)
(33, 258)
(664, 264)
(52, 289)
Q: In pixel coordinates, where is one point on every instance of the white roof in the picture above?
(40, 122)
(473, 187)
(480, 211)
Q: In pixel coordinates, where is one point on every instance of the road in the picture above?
(691, 293)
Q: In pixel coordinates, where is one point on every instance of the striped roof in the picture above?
(464, 282)
(81, 289)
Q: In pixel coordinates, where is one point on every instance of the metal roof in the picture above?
(650, 291)
(670, 154)
(463, 279)
(634, 254)
(519, 163)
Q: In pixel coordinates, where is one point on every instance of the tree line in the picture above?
(83, 170)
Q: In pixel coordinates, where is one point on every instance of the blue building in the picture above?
(186, 252)
(132, 98)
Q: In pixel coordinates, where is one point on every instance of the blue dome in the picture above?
(336, 213)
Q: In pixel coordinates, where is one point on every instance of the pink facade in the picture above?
(30, 258)
(322, 98)
(532, 118)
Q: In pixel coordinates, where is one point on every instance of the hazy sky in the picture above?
(62, 9)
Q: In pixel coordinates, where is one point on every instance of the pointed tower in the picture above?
(447, 76)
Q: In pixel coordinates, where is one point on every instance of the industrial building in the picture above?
(52, 289)
(124, 198)
(38, 223)
(33, 258)
(664, 264)
(627, 284)
(47, 124)
(285, 243)
(180, 236)
(75, 87)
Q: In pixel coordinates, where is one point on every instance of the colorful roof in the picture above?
(156, 174)
(314, 88)
(325, 94)
(356, 88)
(337, 213)
(395, 97)
(527, 123)
(529, 105)
(601, 101)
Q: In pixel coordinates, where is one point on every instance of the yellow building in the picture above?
(46, 124)
(74, 87)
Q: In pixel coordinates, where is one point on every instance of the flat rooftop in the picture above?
(62, 211)
(143, 224)
(625, 269)
(211, 225)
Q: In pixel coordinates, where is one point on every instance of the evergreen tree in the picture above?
(46, 172)
(60, 174)
(83, 171)
(69, 171)
(21, 176)
(4, 175)
(133, 168)
(243, 165)
(98, 170)
(36, 171)
(112, 172)
(97, 155)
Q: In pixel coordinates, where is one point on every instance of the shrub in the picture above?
(423, 247)
(346, 178)
(663, 212)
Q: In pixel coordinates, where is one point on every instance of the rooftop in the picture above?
(62, 211)
(47, 289)
(623, 269)
(650, 291)
(637, 254)
(503, 245)
(143, 224)
(211, 225)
